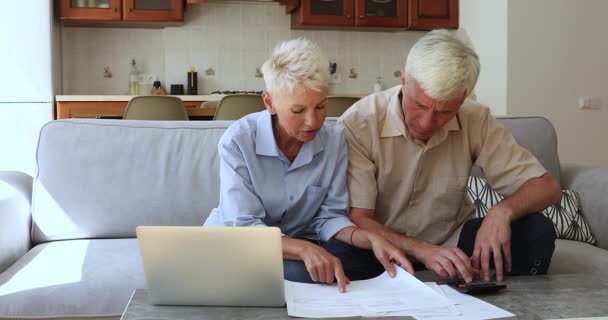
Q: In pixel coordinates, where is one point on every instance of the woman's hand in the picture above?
(323, 266)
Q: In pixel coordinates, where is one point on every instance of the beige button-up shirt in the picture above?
(419, 189)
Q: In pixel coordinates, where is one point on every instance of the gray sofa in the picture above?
(67, 235)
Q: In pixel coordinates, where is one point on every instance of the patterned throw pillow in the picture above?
(566, 216)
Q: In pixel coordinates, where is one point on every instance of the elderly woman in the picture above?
(284, 167)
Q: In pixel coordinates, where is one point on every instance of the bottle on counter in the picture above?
(157, 90)
(192, 82)
(133, 79)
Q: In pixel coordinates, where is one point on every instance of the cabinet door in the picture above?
(327, 12)
(90, 10)
(433, 14)
(381, 13)
(153, 10)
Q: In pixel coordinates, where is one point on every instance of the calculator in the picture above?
(477, 286)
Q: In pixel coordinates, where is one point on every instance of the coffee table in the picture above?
(528, 297)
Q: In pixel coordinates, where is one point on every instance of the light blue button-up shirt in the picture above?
(259, 186)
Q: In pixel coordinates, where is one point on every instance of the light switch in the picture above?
(589, 103)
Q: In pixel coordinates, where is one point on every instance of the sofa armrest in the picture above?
(15, 216)
(591, 183)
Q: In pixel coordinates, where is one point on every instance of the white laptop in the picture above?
(213, 266)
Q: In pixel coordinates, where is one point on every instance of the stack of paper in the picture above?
(403, 295)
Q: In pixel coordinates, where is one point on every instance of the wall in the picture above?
(557, 51)
(233, 39)
(485, 23)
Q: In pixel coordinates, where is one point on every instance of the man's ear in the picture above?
(267, 98)
(403, 78)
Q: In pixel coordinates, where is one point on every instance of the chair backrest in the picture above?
(234, 107)
(337, 105)
(155, 108)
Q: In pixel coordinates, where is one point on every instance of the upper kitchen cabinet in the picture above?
(125, 13)
(326, 12)
(349, 14)
(90, 10)
(381, 13)
(153, 10)
(433, 14)
(362, 13)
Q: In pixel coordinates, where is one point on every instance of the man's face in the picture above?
(424, 116)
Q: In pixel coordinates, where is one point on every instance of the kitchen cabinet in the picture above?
(154, 13)
(352, 14)
(433, 14)
(157, 10)
(381, 13)
(326, 12)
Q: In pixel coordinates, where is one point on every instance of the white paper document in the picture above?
(469, 307)
(373, 297)
(403, 295)
(466, 308)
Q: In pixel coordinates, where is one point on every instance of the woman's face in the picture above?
(300, 114)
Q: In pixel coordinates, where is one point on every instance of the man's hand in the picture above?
(323, 266)
(447, 262)
(494, 238)
(387, 253)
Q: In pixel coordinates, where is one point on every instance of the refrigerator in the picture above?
(29, 77)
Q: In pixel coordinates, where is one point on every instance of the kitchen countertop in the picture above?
(208, 97)
(67, 98)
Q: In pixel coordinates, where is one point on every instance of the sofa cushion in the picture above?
(567, 215)
(73, 278)
(102, 178)
(578, 257)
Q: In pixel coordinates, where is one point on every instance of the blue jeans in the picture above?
(532, 243)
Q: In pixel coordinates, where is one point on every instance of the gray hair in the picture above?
(444, 66)
(297, 63)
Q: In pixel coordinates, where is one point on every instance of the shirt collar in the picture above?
(394, 123)
(266, 144)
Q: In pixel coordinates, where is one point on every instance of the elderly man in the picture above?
(411, 150)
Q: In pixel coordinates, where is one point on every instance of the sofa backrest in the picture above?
(102, 178)
(536, 134)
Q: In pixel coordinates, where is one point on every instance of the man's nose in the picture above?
(426, 121)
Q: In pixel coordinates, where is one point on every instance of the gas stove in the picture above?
(237, 92)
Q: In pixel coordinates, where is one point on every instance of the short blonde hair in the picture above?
(444, 66)
(295, 64)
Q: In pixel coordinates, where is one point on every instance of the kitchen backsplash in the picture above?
(229, 41)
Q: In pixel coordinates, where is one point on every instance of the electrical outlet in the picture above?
(147, 78)
(589, 103)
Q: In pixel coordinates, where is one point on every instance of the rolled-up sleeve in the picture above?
(239, 204)
(332, 215)
(505, 164)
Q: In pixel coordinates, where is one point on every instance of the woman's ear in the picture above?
(267, 98)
